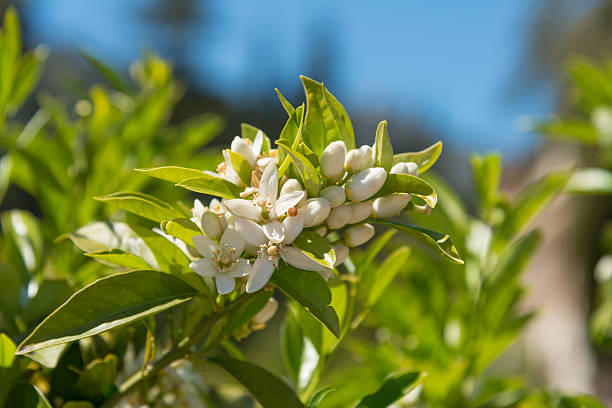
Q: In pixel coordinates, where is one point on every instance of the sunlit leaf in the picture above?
(382, 150)
(316, 247)
(392, 390)
(424, 158)
(174, 174)
(182, 229)
(405, 183)
(305, 170)
(288, 107)
(216, 186)
(7, 351)
(487, 173)
(107, 303)
(118, 257)
(319, 397)
(142, 205)
(377, 284)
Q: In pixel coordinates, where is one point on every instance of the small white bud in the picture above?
(367, 157)
(315, 210)
(334, 194)
(353, 162)
(242, 147)
(266, 313)
(338, 217)
(211, 224)
(410, 168)
(360, 211)
(227, 219)
(358, 235)
(390, 205)
(332, 160)
(365, 184)
(342, 252)
(322, 230)
(290, 186)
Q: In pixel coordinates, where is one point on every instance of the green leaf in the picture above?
(50, 295)
(168, 256)
(78, 404)
(265, 387)
(405, 183)
(531, 201)
(24, 395)
(590, 180)
(383, 151)
(208, 184)
(30, 69)
(7, 351)
(442, 243)
(107, 72)
(94, 237)
(243, 314)
(288, 107)
(116, 257)
(568, 130)
(487, 173)
(326, 119)
(181, 228)
(305, 170)
(241, 166)
(24, 229)
(386, 273)
(373, 250)
(392, 390)
(142, 205)
(582, 401)
(97, 381)
(292, 345)
(173, 174)
(316, 247)
(9, 291)
(291, 135)
(424, 158)
(309, 290)
(107, 303)
(319, 397)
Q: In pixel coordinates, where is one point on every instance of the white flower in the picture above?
(221, 261)
(247, 149)
(197, 212)
(390, 205)
(211, 224)
(358, 235)
(353, 162)
(339, 217)
(365, 184)
(226, 171)
(332, 160)
(410, 168)
(315, 210)
(360, 211)
(334, 194)
(265, 206)
(367, 157)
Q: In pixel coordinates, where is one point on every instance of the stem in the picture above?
(178, 352)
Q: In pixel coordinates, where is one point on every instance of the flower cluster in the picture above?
(248, 236)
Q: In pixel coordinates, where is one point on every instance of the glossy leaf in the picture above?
(305, 170)
(241, 166)
(265, 387)
(182, 229)
(216, 186)
(25, 395)
(291, 135)
(590, 180)
(319, 397)
(383, 151)
(174, 174)
(441, 243)
(316, 247)
(392, 390)
(107, 303)
(292, 345)
(117, 257)
(286, 104)
(424, 158)
(7, 351)
(309, 290)
(142, 205)
(386, 273)
(405, 183)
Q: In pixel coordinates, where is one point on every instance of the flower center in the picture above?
(272, 251)
(224, 257)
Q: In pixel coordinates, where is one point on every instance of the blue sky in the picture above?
(451, 63)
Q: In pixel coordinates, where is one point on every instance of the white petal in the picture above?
(243, 148)
(274, 231)
(260, 274)
(225, 283)
(216, 206)
(243, 208)
(257, 143)
(293, 227)
(250, 231)
(240, 268)
(233, 239)
(264, 161)
(203, 267)
(204, 245)
(297, 258)
(198, 209)
(287, 201)
(268, 184)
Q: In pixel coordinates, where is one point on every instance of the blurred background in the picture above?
(475, 75)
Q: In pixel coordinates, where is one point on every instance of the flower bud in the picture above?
(332, 160)
(322, 230)
(360, 211)
(334, 194)
(338, 217)
(266, 313)
(290, 186)
(342, 252)
(353, 162)
(211, 224)
(390, 205)
(242, 147)
(227, 219)
(315, 211)
(367, 157)
(358, 235)
(410, 168)
(365, 184)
